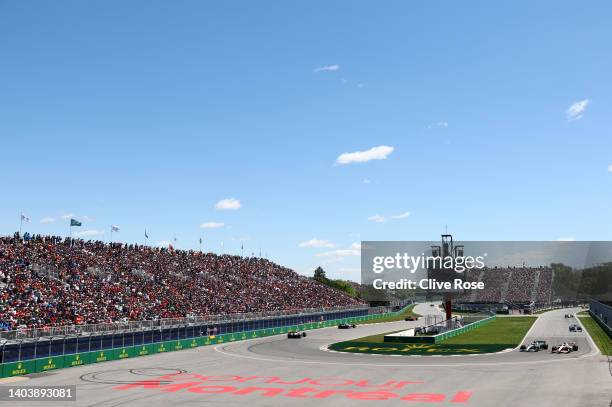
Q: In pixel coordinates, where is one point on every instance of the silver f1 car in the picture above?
(534, 346)
(575, 328)
(346, 326)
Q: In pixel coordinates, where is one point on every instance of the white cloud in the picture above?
(356, 246)
(212, 225)
(340, 253)
(47, 219)
(367, 181)
(88, 233)
(377, 219)
(375, 153)
(317, 243)
(576, 110)
(566, 239)
(86, 218)
(327, 68)
(401, 215)
(443, 124)
(610, 168)
(68, 215)
(228, 204)
(163, 243)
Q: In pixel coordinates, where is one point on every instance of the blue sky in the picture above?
(148, 113)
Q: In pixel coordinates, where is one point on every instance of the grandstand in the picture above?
(53, 281)
(513, 286)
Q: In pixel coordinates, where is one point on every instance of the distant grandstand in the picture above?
(52, 281)
(514, 286)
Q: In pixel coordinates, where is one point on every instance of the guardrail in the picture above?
(43, 364)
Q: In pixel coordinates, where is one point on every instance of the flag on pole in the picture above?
(146, 236)
(114, 228)
(25, 218)
(74, 222)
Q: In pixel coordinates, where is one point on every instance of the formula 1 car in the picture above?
(565, 347)
(534, 346)
(569, 316)
(346, 326)
(410, 318)
(295, 335)
(575, 328)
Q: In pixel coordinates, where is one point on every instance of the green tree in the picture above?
(319, 275)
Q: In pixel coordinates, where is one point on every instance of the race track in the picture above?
(276, 371)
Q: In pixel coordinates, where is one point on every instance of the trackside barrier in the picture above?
(603, 326)
(25, 367)
(463, 329)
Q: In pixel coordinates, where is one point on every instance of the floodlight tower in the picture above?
(441, 271)
(447, 250)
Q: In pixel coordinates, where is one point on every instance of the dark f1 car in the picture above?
(534, 346)
(575, 328)
(296, 335)
(569, 316)
(410, 318)
(346, 326)
(565, 347)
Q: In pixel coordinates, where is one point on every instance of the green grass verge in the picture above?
(497, 335)
(600, 337)
(507, 330)
(409, 311)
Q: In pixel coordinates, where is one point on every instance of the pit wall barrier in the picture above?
(78, 359)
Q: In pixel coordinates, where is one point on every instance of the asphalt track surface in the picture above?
(276, 371)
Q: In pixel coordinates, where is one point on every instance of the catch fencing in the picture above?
(602, 313)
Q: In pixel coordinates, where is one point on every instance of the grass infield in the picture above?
(500, 334)
(600, 337)
(504, 330)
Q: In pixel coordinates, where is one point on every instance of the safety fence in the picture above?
(34, 333)
(72, 356)
(602, 314)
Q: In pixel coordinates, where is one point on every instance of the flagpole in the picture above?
(111, 237)
(20, 223)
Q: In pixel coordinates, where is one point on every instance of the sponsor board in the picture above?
(416, 348)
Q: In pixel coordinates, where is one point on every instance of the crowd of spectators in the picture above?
(52, 281)
(510, 285)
